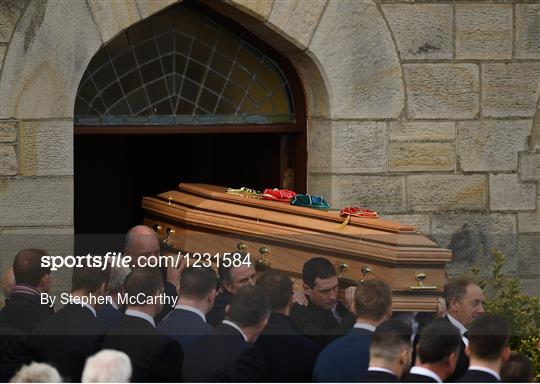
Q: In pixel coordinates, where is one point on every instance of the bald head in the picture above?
(141, 241)
(7, 281)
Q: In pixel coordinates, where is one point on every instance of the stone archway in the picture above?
(348, 71)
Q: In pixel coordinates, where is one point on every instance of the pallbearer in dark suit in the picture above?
(488, 349)
(289, 355)
(142, 242)
(464, 302)
(389, 353)
(110, 312)
(227, 354)
(324, 319)
(24, 310)
(437, 353)
(346, 359)
(187, 322)
(231, 278)
(155, 357)
(68, 338)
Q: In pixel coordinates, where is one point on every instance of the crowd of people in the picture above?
(239, 326)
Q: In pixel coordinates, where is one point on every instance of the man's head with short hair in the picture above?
(37, 373)
(464, 300)
(107, 366)
(197, 283)
(373, 301)
(249, 309)
(489, 335)
(149, 283)
(278, 288)
(391, 347)
(233, 278)
(320, 282)
(7, 281)
(28, 270)
(517, 369)
(438, 348)
(198, 287)
(141, 242)
(88, 280)
(118, 276)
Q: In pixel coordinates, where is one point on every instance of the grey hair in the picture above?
(37, 373)
(118, 276)
(456, 289)
(107, 366)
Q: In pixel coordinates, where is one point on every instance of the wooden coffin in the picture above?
(199, 218)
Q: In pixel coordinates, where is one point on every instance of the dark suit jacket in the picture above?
(378, 377)
(345, 359)
(170, 291)
(66, 339)
(11, 357)
(184, 326)
(319, 324)
(462, 363)
(289, 356)
(474, 376)
(415, 378)
(155, 357)
(109, 315)
(23, 311)
(224, 356)
(217, 313)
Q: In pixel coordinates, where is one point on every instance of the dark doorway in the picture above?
(114, 172)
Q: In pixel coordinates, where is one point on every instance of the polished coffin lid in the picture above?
(206, 218)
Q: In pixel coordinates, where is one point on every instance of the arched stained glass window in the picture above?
(181, 67)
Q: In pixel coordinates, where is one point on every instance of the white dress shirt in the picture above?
(379, 369)
(92, 309)
(142, 315)
(228, 322)
(425, 372)
(462, 329)
(336, 314)
(192, 309)
(484, 369)
(365, 326)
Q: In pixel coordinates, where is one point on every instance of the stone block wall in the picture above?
(426, 111)
(459, 161)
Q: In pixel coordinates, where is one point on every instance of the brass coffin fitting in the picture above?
(170, 233)
(347, 281)
(158, 228)
(420, 277)
(365, 272)
(263, 263)
(342, 267)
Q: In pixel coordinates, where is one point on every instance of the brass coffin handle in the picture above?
(365, 271)
(342, 267)
(420, 277)
(158, 228)
(346, 281)
(170, 233)
(263, 263)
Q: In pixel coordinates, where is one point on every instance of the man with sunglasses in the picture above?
(324, 318)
